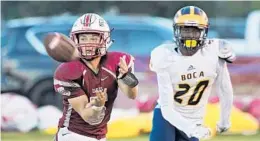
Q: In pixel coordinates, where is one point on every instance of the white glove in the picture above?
(226, 52)
(201, 132)
(221, 127)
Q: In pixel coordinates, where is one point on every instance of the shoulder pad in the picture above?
(115, 57)
(69, 71)
(211, 41)
(161, 57)
(225, 51)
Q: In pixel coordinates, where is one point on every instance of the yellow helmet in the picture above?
(194, 18)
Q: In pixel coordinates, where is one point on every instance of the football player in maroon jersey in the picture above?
(89, 86)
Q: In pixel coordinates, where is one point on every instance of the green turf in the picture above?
(37, 136)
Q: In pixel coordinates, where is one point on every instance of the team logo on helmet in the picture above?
(88, 19)
(101, 22)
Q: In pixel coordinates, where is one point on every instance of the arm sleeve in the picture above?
(65, 84)
(68, 89)
(167, 106)
(225, 92)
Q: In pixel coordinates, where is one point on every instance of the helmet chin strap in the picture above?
(90, 59)
(97, 54)
(110, 43)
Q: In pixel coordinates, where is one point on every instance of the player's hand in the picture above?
(123, 68)
(101, 98)
(201, 132)
(222, 127)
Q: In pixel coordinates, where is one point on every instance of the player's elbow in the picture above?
(227, 96)
(133, 92)
(132, 96)
(228, 100)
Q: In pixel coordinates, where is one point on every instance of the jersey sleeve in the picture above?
(224, 91)
(65, 81)
(160, 59)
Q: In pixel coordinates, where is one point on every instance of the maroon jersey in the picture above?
(73, 79)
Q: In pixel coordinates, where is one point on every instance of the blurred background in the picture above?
(31, 109)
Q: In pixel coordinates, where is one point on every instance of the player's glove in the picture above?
(226, 52)
(222, 127)
(201, 132)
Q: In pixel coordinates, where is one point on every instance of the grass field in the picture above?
(37, 136)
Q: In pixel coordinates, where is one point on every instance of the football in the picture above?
(60, 47)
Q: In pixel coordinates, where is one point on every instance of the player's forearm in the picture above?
(128, 83)
(226, 107)
(226, 102)
(129, 91)
(225, 92)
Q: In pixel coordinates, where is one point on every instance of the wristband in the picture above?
(129, 79)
